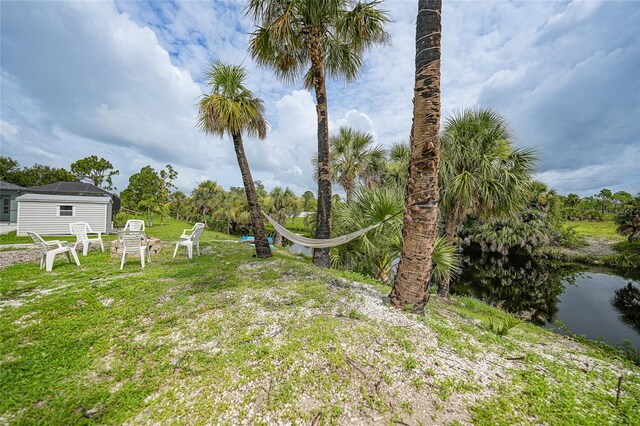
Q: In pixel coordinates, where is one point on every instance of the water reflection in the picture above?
(518, 285)
(590, 303)
(627, 301)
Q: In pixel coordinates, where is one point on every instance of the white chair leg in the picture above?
(85, 248)
(50, 258)
(124, 258)
(176, 250)
(190, 251)
(68, 254)
(75, 257)
(142, 255)
(101, 245)
(42, 261)
(198, 248)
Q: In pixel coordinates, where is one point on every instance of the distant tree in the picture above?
(307, 201)
(8, 168)
(281, 203)
(353, 159)
(203, 197)
(622, 198)
(148, 190)
(396, 169)
(606, 198)
(98, 171)
(572, 200)
(628, 220)
(179, 204)
(316, 39)
(39, 174)
(231, 109)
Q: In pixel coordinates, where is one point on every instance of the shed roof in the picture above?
(70, 188)
(64, 198)
(6, 186)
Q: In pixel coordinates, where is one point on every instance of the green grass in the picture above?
(294, 224)
(226, 337)
(605, 229)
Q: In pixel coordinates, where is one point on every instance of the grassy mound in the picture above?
(227, 338)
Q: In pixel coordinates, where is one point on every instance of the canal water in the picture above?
(596, 303)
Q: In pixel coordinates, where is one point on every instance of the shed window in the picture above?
(66, 210)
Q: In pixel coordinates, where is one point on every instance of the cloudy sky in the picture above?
(120, 80)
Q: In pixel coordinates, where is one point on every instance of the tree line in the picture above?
(97, 171)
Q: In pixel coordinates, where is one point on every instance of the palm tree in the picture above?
(179, 203)
(481, 173)
(353, 158)
(316, 38)
(232, 109)
(397, 166)
(419, 230)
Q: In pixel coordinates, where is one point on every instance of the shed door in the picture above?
(5, 208)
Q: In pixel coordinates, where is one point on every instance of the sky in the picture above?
(121, 80)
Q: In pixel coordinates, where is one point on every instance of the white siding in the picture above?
(109, 217)
(42, 217)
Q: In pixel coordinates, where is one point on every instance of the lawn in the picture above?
(226, 338)
(605, 229)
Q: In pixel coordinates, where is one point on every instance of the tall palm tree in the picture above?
(420, 231)
(232, 109)
(316, 38)
(353, 158)
(481, 173)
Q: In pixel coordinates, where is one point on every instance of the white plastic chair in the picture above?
(133, 242)
(190, 238)
(81, 231)
(134, 225)
(50, 249)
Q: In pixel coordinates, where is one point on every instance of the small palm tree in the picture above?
(353, 158)
(481, 173)
(232, 109)
(315, 39)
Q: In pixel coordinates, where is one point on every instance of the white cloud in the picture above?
(122, 80)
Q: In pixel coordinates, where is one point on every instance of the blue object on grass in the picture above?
(249, 238)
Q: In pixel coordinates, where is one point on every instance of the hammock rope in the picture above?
(323, 243)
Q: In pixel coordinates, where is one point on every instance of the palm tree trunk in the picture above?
(323, 223)
(419, 230)
(259, 233)
(450, 228)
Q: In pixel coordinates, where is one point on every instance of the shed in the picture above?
(49, 214)
(76, 188)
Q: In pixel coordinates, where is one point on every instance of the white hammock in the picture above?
(313, 243)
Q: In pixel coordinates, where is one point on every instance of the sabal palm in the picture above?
(375, 252)
(311, 39)
(354, 158)
(232, 109)
(481, 173)
(420, 230)
(398, 164)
